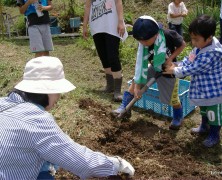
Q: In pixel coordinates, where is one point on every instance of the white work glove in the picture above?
(122, 165)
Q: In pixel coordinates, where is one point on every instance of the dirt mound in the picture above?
(155, 152)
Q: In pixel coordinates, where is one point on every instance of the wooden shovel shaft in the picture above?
(132, 102)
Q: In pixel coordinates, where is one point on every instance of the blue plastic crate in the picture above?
(75, 22)
(55, 30)
(150, 100)
(53, 21)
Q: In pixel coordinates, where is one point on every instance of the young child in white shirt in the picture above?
(176, 11)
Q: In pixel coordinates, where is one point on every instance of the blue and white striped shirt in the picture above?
(29, 136)
(205, 68)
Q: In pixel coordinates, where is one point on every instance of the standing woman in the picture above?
(105, 18)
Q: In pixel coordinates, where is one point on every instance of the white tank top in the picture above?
(103, 17)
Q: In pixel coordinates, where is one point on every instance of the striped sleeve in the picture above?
(55, 146)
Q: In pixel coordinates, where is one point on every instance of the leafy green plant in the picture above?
(79, 10)
(9, 2)
(128, 17)
(86, 44)
(211, 3)
(21, 27)
(72, 9)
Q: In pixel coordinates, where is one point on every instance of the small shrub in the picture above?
(9, 2)
(21, 27)
(67, 10)
(88, 43)
(128, 17)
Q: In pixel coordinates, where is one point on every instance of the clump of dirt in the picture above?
(155, 151)
(86, 103)
(94, 108)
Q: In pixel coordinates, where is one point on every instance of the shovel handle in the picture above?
(148, 84)
(132, 102)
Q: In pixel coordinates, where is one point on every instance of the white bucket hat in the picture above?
(44, 75)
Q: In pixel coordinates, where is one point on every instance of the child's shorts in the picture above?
(40, 38)
(213, 113)
(168, 88)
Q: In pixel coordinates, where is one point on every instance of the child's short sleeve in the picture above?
(170, 8)
(184, 9)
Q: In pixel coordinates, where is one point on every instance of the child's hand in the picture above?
(184, 14)
(168, 62)
(169, 68)
(40, 7)
(137, 92)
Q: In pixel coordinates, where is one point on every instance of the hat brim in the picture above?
(45, 86)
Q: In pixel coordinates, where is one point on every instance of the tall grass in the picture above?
(206, 7)
(1, 17)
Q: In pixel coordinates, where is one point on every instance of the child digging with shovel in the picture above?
(158, 46)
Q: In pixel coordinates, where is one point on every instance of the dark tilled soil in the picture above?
(154, 151)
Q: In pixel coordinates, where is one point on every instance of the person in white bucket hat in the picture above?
(30, 136)
(44, 75)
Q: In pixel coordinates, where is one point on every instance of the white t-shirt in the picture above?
(172, 9)
(104, 18)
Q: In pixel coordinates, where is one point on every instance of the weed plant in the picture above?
(205, 7)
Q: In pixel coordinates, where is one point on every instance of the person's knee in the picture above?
(115, 65)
